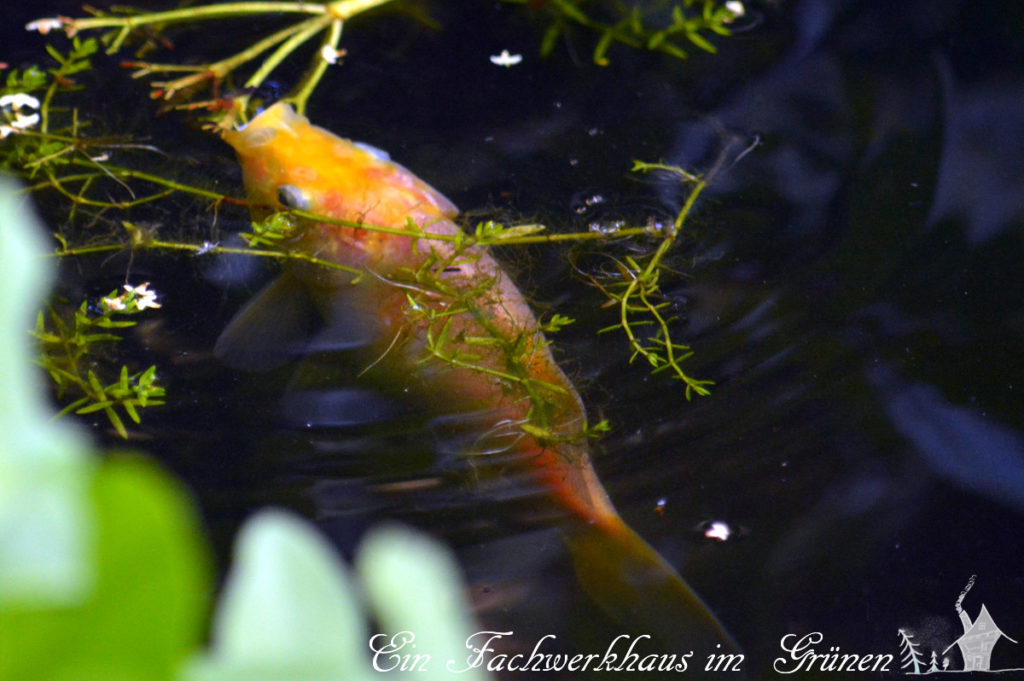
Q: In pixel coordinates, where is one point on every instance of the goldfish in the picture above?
(441, 317)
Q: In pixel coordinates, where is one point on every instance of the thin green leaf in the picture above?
(701, 42)
(115, 421)
(130, 410)
(94, 407)
(53, 52)
(550, 38)
(94, 383)
(601, 50)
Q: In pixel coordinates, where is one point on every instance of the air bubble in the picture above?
(607, 226)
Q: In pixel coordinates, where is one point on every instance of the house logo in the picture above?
(974, 645)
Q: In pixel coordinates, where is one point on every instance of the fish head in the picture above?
(289, 163)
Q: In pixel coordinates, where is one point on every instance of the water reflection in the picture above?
(981, 172)
(958, 443)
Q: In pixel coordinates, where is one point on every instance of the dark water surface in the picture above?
(852, 283)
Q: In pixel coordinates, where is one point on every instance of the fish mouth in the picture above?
(265, 127)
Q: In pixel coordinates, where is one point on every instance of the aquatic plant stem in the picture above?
(319, 67)
(222, 68)
(308, 30)
(643, 283)
(340, 9)
(498, 238)
(329, 17)
(138, 240)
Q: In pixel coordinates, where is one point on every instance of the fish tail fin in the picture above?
(636, 586)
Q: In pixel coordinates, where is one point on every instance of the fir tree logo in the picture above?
(910, 656)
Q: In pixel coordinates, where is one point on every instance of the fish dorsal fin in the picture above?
(376, 152)
(443, 203)
(408, 178)
(270, 330)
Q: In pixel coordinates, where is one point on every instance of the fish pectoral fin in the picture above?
(347, 323)
(270, 330)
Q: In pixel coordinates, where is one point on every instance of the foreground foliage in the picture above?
(102, 558)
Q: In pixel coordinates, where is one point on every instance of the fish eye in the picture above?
(292, 197)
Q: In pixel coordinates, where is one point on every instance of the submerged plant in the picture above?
(435, 303)
(667, 26)
(48, 142)
(70, 350)
(636, 294)
(26, 100)
(327, 18)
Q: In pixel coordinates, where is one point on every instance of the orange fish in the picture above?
(446, 322)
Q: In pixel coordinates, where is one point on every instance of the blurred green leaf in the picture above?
(146, 611)
(102, 572)
(45, 524)
(414, 585)
(290, 612)
(287, 613)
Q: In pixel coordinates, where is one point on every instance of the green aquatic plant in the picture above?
(326, 18)
(48, 142)
(634, 287)
(666, 26)
(435, 303)
(69, 352)
(636, 293)
(33, 146)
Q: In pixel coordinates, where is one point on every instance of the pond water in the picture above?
(851, 281)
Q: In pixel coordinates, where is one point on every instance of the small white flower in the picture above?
(16, 102)
(144, 298)
(19, 100)
(331, 55)
(505, 59)
(736, 8)
(718, 530)
(44, 26)
(21, 121)
(114, 304)
(148, 301)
